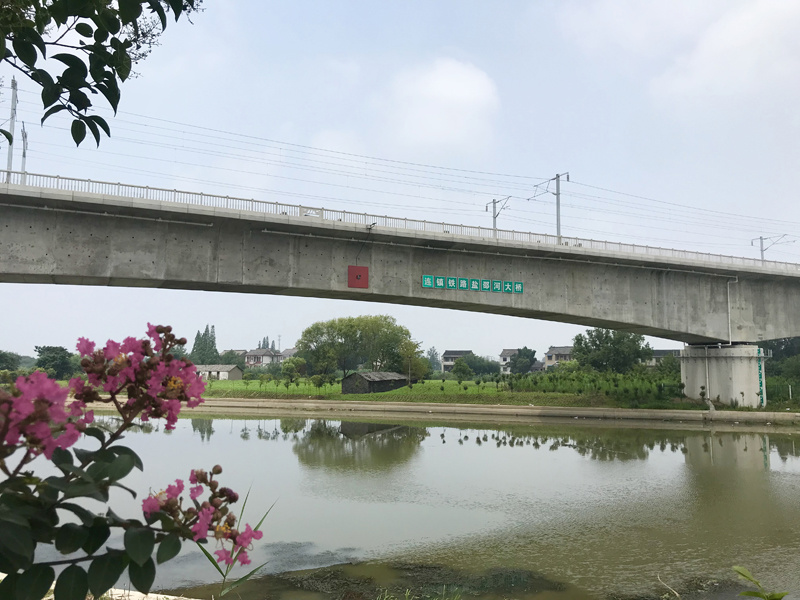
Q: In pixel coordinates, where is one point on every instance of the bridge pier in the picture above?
(731, 374)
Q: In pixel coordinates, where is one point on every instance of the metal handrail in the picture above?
(104, 188)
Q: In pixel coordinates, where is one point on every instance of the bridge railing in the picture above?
(122, 190)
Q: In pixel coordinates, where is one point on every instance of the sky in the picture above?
(677, 123)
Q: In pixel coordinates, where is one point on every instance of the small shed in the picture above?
(221, 372)
(370, 383)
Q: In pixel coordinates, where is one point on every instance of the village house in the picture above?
(557, 354)
(370, 383)
(450, 357)
(220, 372)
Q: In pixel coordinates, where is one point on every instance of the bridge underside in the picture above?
(111, 243)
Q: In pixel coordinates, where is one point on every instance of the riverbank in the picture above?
(489, 412)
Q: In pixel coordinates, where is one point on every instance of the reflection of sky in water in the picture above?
(400, 494)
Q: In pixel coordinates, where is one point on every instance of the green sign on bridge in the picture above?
(469, 284)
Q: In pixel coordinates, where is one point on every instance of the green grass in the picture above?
(437, 391)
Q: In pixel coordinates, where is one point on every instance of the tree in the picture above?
(348, 342)
(204, 349)
(434, 359)
(415, 366)
(669, 366)
(293, 368)
(56, 358)
(232, 358)
(97, 42)
(380, 340)
(9, 361)
(481, 365)
(523, 360)
(606, 350)
(461, 370)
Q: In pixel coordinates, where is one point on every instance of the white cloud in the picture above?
(752, 53)
(640, 28)
(447, 105)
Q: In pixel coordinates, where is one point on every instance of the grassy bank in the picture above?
(447, 392)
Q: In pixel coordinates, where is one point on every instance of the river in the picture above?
(541, 511)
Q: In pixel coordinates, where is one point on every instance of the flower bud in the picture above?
(216, 470)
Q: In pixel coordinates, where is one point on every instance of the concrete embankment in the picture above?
(343, 409)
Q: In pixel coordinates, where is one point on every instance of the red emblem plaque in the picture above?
(357, 277)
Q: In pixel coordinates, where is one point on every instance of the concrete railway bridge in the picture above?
(78, 232)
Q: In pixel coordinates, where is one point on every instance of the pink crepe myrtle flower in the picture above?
(195, 492)
(200, 529)
(85, 347)
(224, 555)
(150, 505)
(38, 416)
(245, 538)
(173, 491)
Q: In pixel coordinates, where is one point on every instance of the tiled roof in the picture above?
(509, 352)
(220, 368)
(456, 353)
(379, 376)
(560, 350)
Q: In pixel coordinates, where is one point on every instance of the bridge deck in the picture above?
(339, 223)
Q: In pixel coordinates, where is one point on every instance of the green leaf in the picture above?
(24, 50)
(241, 580)
(78, 131)
(85, 456)
(101, 122)
(123, 463)
(34, 583)
(105, 571)
(123, 64)
(98, 534)
(137, 462)
(7, 135)
(753, 593)
(155, 6)
(142, 577)
(110, 90)
(129, 10)
(169, 548)
(96, 433)
(176, 6)
(109, 21)
(86, 517)
(71, 537)
(62, 457)
(84, 29)
(747, 575)
(98, 470)
(211, 559)
(72, 584)
(33, 36)
(139, 544)
(73, 62)
(8, 585)
(16, 544)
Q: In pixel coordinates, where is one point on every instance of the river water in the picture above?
(541, 511)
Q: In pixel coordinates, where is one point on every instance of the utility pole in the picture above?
(496, 212)
(11, 122)
(558, 204)
(775, 239)
(24, 153)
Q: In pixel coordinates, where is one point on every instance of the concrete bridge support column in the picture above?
(729, 374)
